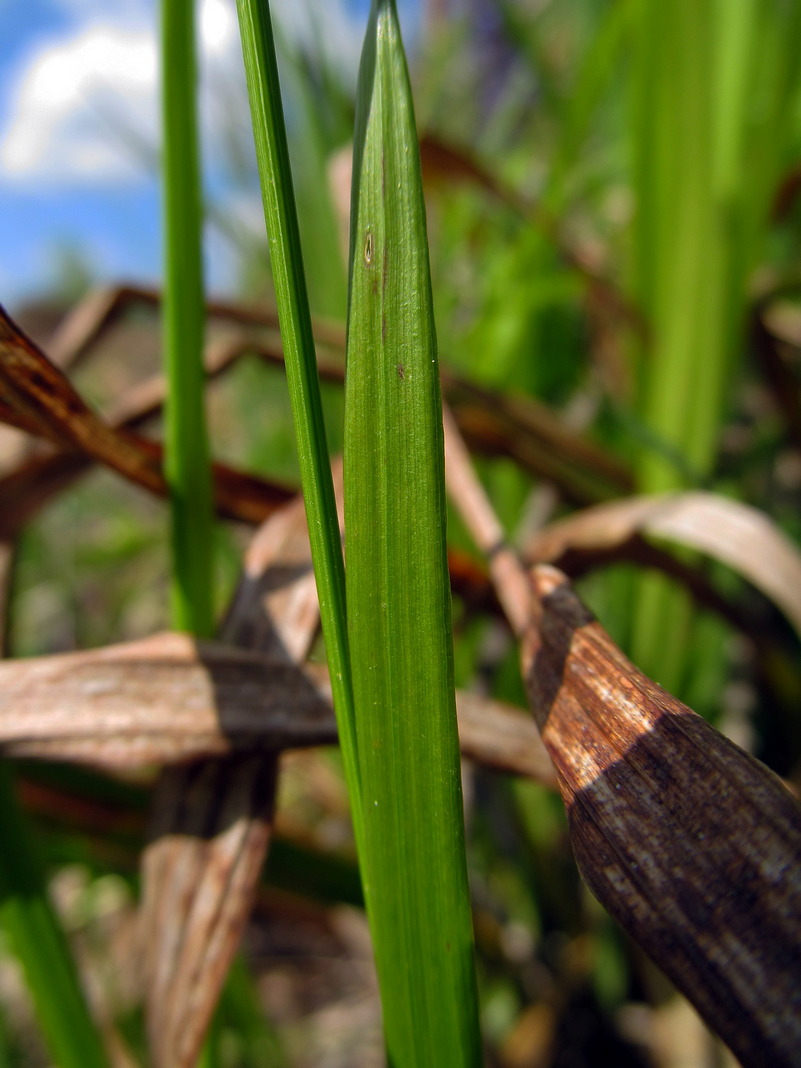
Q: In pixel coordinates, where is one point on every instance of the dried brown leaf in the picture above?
(745, 539)
(203, 887)
(210, 837)
(36, 396)
(691, 844)
(169, 699)
(38, 390)
(163, 699)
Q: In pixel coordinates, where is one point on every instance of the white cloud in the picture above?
(83, 108)
(69, 102)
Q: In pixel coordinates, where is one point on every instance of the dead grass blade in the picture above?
(726, 530)
(161, 700)
(169, 699)
(38, 394)
(212, 828)
(506, 571)
(201, 867)
(37, 397)
(691, 844)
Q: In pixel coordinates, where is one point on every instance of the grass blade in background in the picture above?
(703, 108)
(399, 626)
(679, 254)
(187, 452)
(165, 904)
(269, 131)
(38, 940)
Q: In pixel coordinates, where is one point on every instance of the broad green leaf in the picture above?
(398, 594)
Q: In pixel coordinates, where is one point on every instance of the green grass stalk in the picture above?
(680, 270)
(715, 86)
(269, 131)
(187, 463)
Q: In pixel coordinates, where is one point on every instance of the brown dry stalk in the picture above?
(467, 493)
(42, 400)
(691, 844)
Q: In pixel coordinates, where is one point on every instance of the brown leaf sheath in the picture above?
(691, 844)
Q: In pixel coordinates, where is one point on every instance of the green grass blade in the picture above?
(399, 625)
(187, 465)
(703, 176)
(680, 268)
(269, 131)
(38, 941)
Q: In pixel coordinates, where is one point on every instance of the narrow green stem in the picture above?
(280, 215)
(187, 465)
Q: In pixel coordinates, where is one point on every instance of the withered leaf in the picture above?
(37, 396)
(214, 820)
(734, 533)
(168, 699)
(691, 844)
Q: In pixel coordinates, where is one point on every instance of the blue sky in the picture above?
(78, 130)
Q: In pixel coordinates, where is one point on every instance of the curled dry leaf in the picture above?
(691, 844)
(36, 396)
(734, 533)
